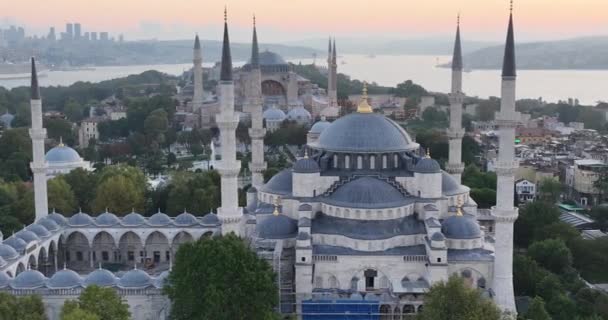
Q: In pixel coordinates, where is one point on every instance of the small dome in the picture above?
(319, 126)
(39, 230)
(161, 279)
(305, 207)
(133, 220)
(29, 279)
(135, 279)
(17, 243)
(461, 227)
(58, 218)
(100, 277)
(427, 165)
(281, 183)
(27, 236)
(277, 227)
(274, 114)
(7, 252)
(64, 279)
(299, 114)
(107, 219)
(49, 224)
(367, 192)
(80, 220)
(449, 185)
(159, 219)
(365, 133)
(185, 219)
(62, 154)
(306, 165)
(7, 119)
(268, 58)
(437, 236)
(210, 219)
(5, 280)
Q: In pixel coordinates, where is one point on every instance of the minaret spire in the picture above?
(332, 75)
(455, 133)
(197, 70)
(38, 134)
(226, 71)
(505, 213)
(457, 57)
(255, 50)
(253, 104)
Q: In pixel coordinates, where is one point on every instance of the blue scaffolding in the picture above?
(340, 310)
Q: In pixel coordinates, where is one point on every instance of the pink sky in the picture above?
(284, 20)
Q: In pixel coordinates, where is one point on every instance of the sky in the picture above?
(293, 20)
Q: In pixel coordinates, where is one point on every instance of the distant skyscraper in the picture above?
(86, 36)
(77, 31)
(103, 36)
(93, 36)
(52, 36)
(69, 31)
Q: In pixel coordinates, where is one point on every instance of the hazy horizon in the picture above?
(294, 21)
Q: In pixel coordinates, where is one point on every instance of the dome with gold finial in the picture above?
(62, 153)
(364, 132)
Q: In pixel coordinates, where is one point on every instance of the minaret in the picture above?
(455, 133)
(332, 88)
(38, 134)
(197, 98)
(504, 212)
(257, 131)
(227, 120)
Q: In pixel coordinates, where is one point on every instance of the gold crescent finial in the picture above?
(276, 206)
(254, 19)
(305, 153)
(428, 152)
(364, 106)
(458, 20)
(459, 208)
(511, 7)
(225, 13)
(61, 141)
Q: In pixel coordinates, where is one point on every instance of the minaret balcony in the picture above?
(38, 134)
(456, 98)
(505, 168)
(227, 121)
(505, 214)
(508, 119)
(257, 167)
(228, 170)
(257, 134)
(455, 133)
(454, 168)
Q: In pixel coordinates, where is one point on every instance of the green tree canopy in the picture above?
(60, 196)
(551, 254)
(21, 307)
(526, 275)
(531, 218)
(454, 300)
(550, 189)
(97, 303)
(537, 310)
(227, 275)
(119, 194)
(83, 184)
(194, 192)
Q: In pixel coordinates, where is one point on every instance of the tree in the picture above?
(550, 190)
(78, 314)
(591, 302)
(551, 254)
(537, 311)
(223, 272)
(485, 197)
(562, 308)
(454, 300)
(97, 303)
(83, 184)
(600, 215)
(549, 287)
(28, 307)
(526, 275)
(432, 114)
(73, 110)
(119, 194)
(61, 197)
(557, 230)
(531, 218)
(194, 192)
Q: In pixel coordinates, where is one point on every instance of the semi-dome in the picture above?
(364, 133)
(133, 219)
(268, 58)
(135, 279)
(39, 230)
(319, 126)
(427, 165)
(277, 227)
(461, 227)
(29, 279)
(107, 219)
(27, 236)
(62, 153)
(80, 220)
(299, 114)
(7, 252)
(210, 219)
(5, 280)
(306, 165)
(281, 183)
(100, 277)
(449, 185)
(159, 219)
(17, 243)
(367, 192)
(159, 282)
(49, 224)
(58, 218)
(437, 236)
(185, 219)
(274, 114)
(64, 279)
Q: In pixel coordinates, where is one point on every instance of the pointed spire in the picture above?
(333, 53)
(508, 65)
(197, 42)
(255, 50)
(35, 94)
(226, 71)
(457, 57)
(329, 52)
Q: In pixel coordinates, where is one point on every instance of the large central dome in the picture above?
(364, 133)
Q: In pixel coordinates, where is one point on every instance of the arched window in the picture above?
(335, 161)
(372, 162)
(333, 282)
(359, 162)
(318, 282)
(346, 162)
(396, 161)
(354, 284)
(384, 161)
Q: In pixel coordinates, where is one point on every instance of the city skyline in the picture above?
(293, 21)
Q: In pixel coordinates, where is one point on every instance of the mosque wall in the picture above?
(368, 245)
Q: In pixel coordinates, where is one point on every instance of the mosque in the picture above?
(363, 221)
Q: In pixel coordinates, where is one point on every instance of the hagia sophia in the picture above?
(364, 216)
